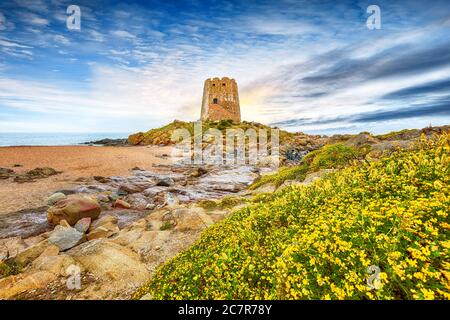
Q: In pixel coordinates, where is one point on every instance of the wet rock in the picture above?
(108, 142)
(83, 225)
(165, 182)
(73, 209)
(54, 198)
(66, 237)
(6, 173)
(24, 223)
(102, 179)
(37, 173)
(121, 204)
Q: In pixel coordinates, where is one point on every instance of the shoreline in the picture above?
(79, 164)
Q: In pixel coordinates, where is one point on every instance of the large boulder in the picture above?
(73, 209)
(66, 237)
(55, 198)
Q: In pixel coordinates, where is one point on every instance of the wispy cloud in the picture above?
(304, 66)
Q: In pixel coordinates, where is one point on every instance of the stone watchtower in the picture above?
(220, 100)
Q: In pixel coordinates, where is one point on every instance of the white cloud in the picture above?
(123, 34)
(33, 19)
(95, 35)
(12, 44)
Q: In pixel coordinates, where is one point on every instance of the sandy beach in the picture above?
(75, 162)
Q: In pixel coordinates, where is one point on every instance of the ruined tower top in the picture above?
(220, 100)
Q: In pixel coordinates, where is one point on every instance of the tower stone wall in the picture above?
(220, 100)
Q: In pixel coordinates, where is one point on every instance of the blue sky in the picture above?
(310, 66)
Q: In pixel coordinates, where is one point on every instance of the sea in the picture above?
(55, 138)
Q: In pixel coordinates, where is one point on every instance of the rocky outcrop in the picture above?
(6, 173)
(37, 173)
(109, 142)
(73, 209)
(104, 227)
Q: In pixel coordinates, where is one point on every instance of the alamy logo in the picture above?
(373, 282)
(73, 21)
(235, 147)
(374, 20)
(73, 281)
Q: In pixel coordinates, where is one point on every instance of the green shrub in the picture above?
(166, 226)
(9, 267)
(328, 157)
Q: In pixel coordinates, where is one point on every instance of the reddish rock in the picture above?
(122, 204)
(73, 209)
(83, 225)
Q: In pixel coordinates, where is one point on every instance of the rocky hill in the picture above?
(162, 135)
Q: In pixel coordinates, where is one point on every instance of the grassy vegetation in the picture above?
(9, 267)
(328, 157)
(317, 242)
(166, 226)
(396, 134)
(163, 135)
(224, 203)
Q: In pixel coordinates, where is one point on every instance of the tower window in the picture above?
(214, 84)
(223, 84)
(215, 101)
